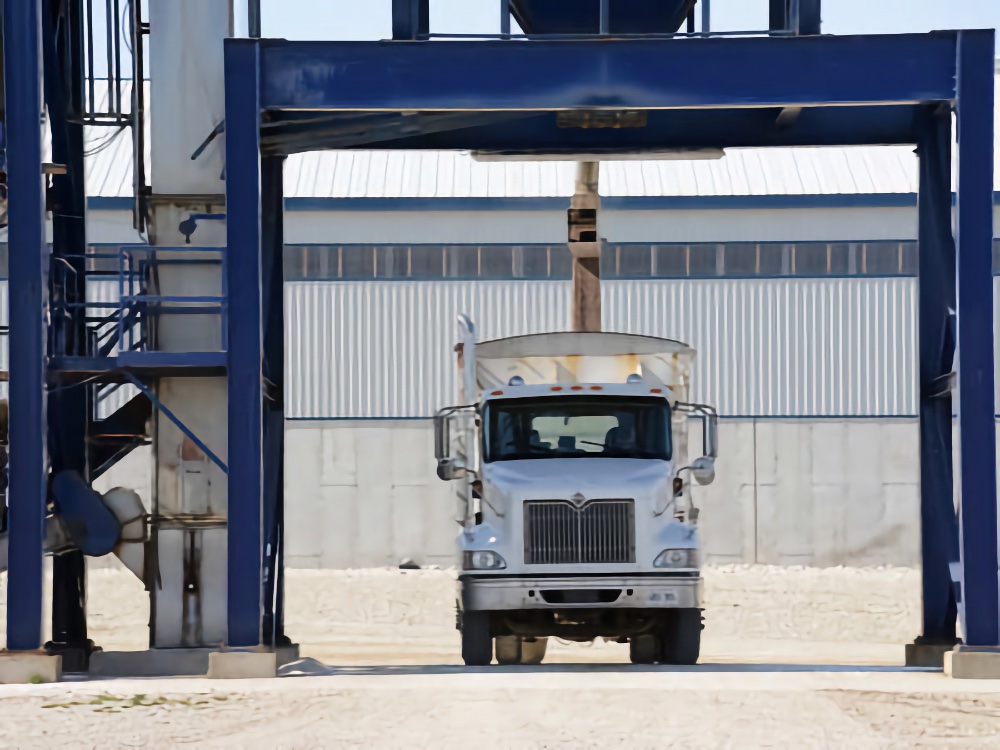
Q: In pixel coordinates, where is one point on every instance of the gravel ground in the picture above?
(793, 658)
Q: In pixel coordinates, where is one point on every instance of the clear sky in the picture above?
(371, 19)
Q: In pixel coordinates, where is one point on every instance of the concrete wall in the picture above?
(795, 492)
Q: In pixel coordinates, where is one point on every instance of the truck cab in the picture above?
(568, 454)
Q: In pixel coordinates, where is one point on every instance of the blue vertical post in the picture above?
(28, 300)
(68, 408)
(245, 332)
(777, 15)
(410, 18)
(976, 407)
(272, 299)
(936, 273)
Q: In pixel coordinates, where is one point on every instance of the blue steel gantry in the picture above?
(606, 78)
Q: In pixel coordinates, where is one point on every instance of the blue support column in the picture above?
(245, 349)
(410, 19)
(68, 409)
(938, 522)
(272, 295)
(976, 406)
(27, 302)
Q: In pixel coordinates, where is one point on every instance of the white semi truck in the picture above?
(573, 494)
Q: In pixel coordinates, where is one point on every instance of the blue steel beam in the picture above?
(938, 524)
(28, 301)
(976, 424)
(534, 132)
(245, 349)
(609, 74)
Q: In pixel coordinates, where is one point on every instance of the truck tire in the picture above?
(512, 649)
(477, 642)
(681, 640)
(644, 649)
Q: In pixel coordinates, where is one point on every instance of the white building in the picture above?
(790, 270)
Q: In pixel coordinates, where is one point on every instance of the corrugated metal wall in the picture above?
(765, 347)
(784, 347)
(804, 347)
(384, 349)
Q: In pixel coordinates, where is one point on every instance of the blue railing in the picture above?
(122, 323)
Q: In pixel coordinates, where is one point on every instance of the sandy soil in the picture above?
(799, 658)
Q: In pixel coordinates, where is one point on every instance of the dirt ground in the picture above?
(792, 658)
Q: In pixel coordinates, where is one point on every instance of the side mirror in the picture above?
(442, 437)
(709, 423)
(710, 435)
(449, 467)
(703, 470)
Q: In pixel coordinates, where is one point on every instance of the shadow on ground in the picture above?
(307, 667)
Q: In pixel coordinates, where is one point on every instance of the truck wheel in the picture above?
(644, 649)
(682, 638)
(477, 644)
(511, 649)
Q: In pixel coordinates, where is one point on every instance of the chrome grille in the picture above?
(557, 532)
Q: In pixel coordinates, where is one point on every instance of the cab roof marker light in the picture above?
(516, 380)
(497, 393)
(634, 378)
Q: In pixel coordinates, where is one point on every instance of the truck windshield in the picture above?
(566, 427)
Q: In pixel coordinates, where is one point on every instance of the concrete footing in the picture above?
(973, 663)
(29, 668)
(242, 665)
(169, 662)
(927, 654)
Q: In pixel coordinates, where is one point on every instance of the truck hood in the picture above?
(559, 478)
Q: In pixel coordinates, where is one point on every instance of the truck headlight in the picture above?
(677, 558)
(482, 560)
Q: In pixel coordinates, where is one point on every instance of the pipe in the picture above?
(706, 16)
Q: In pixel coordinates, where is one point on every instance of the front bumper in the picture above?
(491, 593)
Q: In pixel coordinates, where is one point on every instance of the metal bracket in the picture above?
(943, 384)
(190, 224)
(216, 132)
(173, 418)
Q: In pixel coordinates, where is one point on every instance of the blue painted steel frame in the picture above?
(623, 74)
(28, 301)
(976, 425)
(936, 326)
(272, 299)
(548, 76)
(246, 350)
(69, 408)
